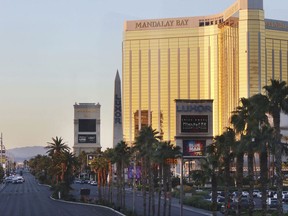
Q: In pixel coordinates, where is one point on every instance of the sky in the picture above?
(55, 53)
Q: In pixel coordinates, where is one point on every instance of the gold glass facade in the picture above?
(217, 57)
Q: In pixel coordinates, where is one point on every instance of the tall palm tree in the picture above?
(277, 93)
(224, 143)
(246, 119)
(164, 154)
(110, 155)
(145, 145)
(238, 122)
(211, 165)
(262, 132)
(56, 149)
(100, 166)
(57, 146)
(71, 165)
(122, 155)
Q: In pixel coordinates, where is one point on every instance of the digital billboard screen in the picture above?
(194, 123)
(87, 125)
(192, 148)
(85, 138)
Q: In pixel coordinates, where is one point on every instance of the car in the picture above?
(285, 198)
(94, 183)
(8, 179)
(78, 181)
(273, 204)
(17, 180)
(244, 204)
(257, 193)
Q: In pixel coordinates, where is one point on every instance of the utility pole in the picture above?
(1, 150)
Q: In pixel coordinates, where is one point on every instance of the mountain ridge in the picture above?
(20, 154)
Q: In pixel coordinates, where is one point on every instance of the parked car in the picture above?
(94, 183)
(273, 204)
(78, 181)
(257, 193)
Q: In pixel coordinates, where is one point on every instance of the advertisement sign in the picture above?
(131, 172)
(192, 148)
(87, 125)
(90, 158)
(85, 138)
(194, 123)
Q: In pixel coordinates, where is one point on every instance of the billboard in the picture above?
(192, 148)
(86, 138)
(90, 158)
(131, 172)
(194, 123)
(87, 125)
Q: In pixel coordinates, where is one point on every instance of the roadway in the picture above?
(31, 199)
(175, 207)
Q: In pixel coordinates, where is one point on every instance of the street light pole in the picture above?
(181, 187)
(1, 150)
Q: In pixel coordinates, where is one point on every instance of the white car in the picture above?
(93, 183)
(17, 180)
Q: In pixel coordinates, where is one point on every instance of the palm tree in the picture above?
(211, 165)
(110, 155)
(82, 160)
(246, 123)
(145, 145)
(100, 166)
(56, 149)
(57, 146)
(262, 132)
(238, 122)
(277, 93)
(71, 165)
(224, 143)
(122, 155)
(164, 154)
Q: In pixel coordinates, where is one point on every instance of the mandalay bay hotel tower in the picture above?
(219, 58)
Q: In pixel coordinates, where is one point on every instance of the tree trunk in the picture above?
(160, 188)
(118, 180)
(165, 189)
(251, 179)
(227, 182)
(144, 183)
(169, 191)
(214, 193)
(278, 160)
(123, 185)
(264, 180)
(239, 181)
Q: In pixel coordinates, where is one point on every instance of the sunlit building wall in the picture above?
(221, 57)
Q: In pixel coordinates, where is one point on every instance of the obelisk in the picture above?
(117, 120)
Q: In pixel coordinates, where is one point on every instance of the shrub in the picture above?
(63, 188)
(198, 202)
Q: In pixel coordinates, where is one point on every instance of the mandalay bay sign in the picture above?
(161, 23)
(169, 23)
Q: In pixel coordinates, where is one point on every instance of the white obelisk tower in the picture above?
(117, 120)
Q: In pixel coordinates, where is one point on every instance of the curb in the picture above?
(79, 203)
(87, 204)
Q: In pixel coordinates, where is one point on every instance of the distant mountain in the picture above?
(25, 153)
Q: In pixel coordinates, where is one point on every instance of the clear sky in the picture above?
(54, 53)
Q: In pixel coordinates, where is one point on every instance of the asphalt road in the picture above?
(175, 207)
(31, 199)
